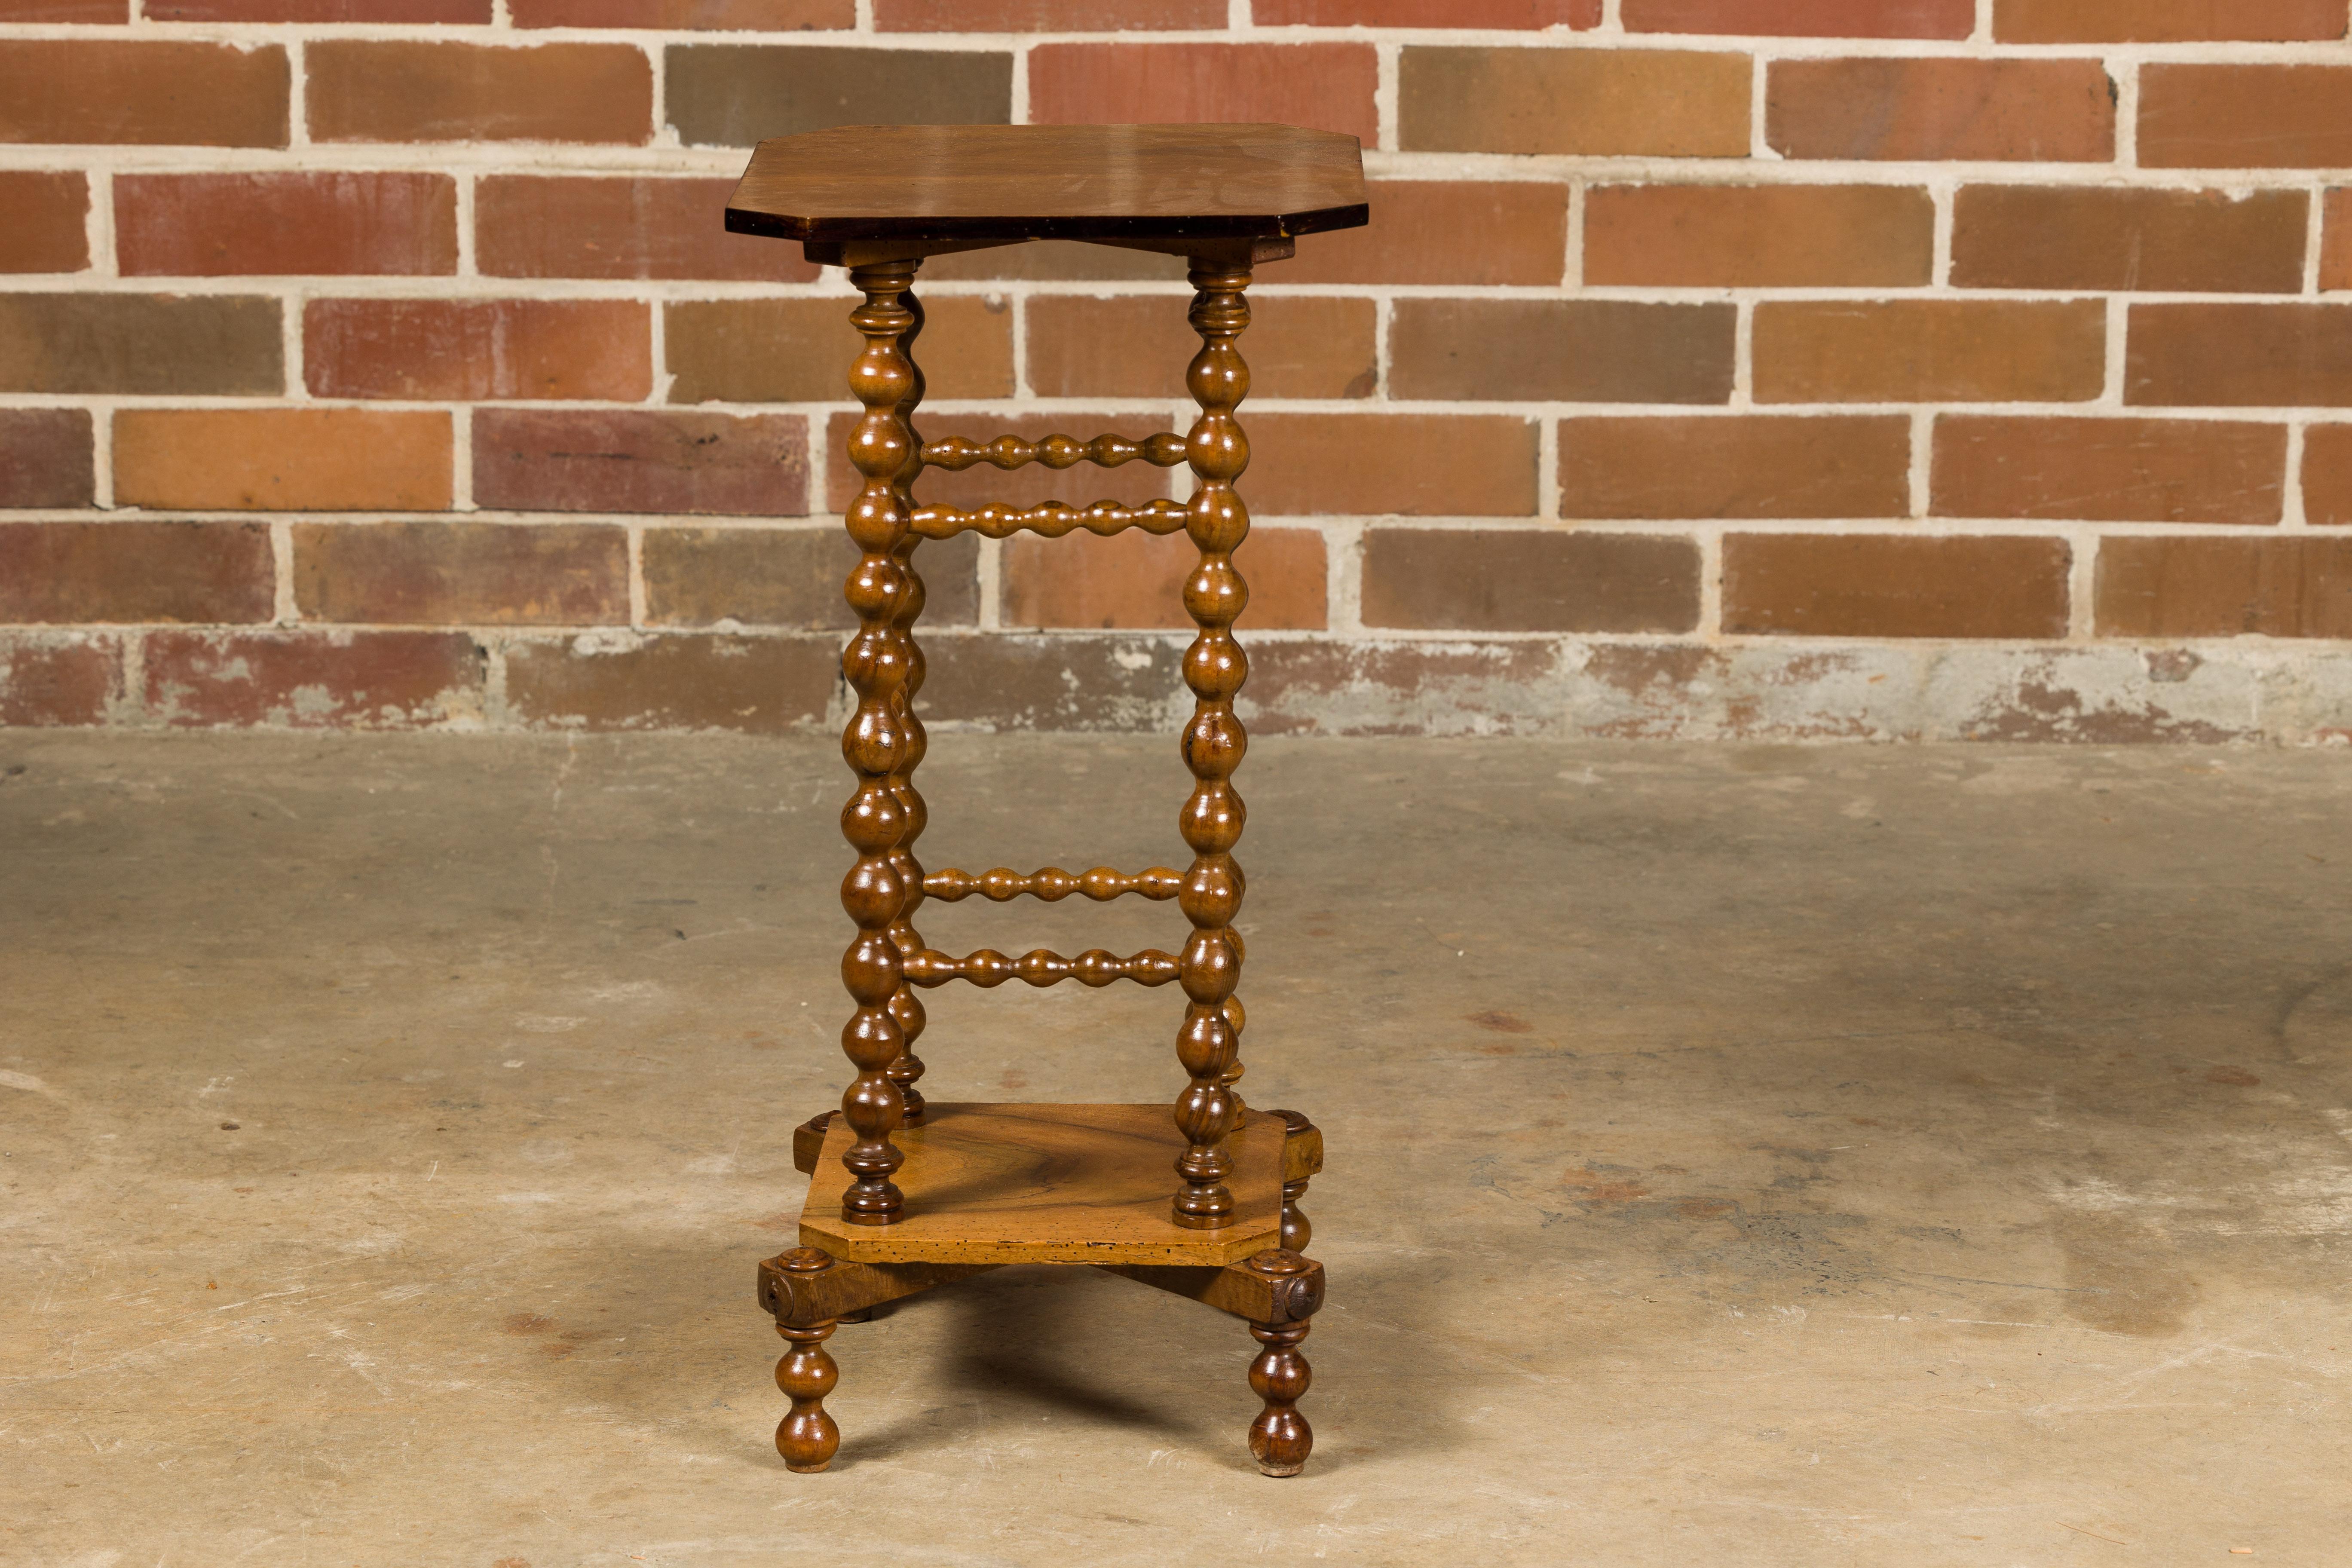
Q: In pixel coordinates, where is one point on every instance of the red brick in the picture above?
(47, 218)
(45, 457)
(1325, 86)
(688, 15)
(763, 686)
(1663, 103)
(2212, 586)
(637, 460)
(313, 679)
(2075, 236)
(800, 351)
(1759, 235)
(379, 12)
(1745, 465)
(401, 92)
(1061, 261)
(53, 679)
(1929, 351)
(1881, 586)
(148, 92)
(980, 484)
(282, 459)
(212, 226)
(472, 349)
(1805, 19)
(1136, 580)
(217, 344)
(1406, 464)
(2108, 470)
(1571, 351)
(530, 226)
(2328, 475)
(2238, 355)
(1496, 14)
(790, 577)
(2335, 242)
(1137, 346)
(20, 13)
(2245, 117)
(2165, 21)
(1048, 15)
(733, 95)
(462, 574)
(1416, 237)
(71, 574)
(2053, 110)
(1530, 580)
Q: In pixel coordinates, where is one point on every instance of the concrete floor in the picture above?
(1738, 1156)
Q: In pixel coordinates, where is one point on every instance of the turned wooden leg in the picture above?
(877, 663)
(1280, 1437)
(1302, 1157)
(808, 1437)
(1210, 966)
(906, 1008)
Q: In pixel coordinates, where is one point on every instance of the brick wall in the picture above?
(1713, 367)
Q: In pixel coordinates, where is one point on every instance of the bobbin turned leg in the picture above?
(807, 1438)
(1214, 668)
(906, 1007)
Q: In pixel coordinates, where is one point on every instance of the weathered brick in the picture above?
(790, 577)
(1929, 351)
(629, 459)
(45, 457)
(1133, 581)
(2080, 237)
(50, 679)
(74, 573)
(1012, 681)
(282, 459)
(142, 91)
(1137, 346)
(2245, 117)
(2336, 241)
(1759, 235)
(1046, 16)
(2051, 111)
(462, 574)
(977, 486)
(469, 349)
(1497, 13)
(312, 12)
(1409, 465)
(1056, 261)
(1416, 237)
(1805, 19)
(1573, 350)
(534, 226)
(1744, 465)
(1665, 103)
(800, 351)
(2107, 471)
(763, 686)
(210, 226)
(382, 91)
(1530, 580)
(2211, 586)
(689, 15)
(2328, 475)
(214, 344)
(2238, 355)
(2165, 21)
(1327, 86)
(47, 218)
(18, 13)
(734, 95)
(1885, 585)
(321, 679)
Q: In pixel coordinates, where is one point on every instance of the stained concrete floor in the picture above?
(1751, 1156)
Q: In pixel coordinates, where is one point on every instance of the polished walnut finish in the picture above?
(903, 1195)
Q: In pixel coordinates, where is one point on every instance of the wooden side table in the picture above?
(905, 1194)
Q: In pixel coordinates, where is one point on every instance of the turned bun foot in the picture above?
(1280, 1439)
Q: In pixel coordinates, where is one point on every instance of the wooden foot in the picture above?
(808, 1437)
(1280, 1437)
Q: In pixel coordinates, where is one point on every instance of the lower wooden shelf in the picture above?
(1049, 1184)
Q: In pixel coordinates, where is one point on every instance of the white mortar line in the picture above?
(2315, 239)
(1384, 94)
(637, 547)
(2290, 495)
(2124, 74)
(1923, 457)
(101, 456)
(461, 459)
(283, 610)
(98, 225)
